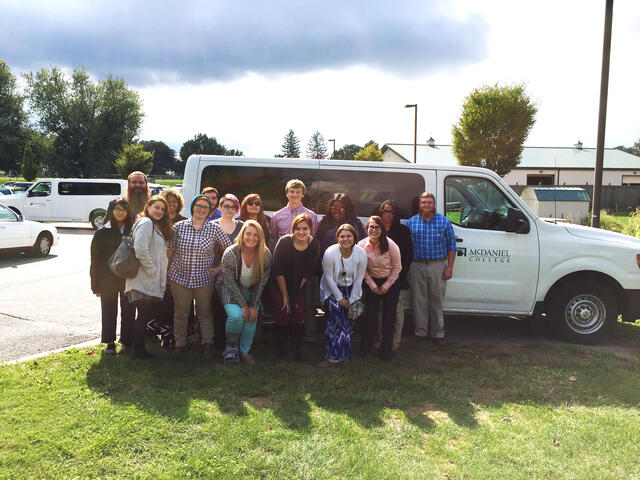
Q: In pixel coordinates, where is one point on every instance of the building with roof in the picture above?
(538, 165)
(571, 203)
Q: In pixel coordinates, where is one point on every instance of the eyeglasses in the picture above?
(386, 212)
(253, 203)
(229, 207)
(201, 206)
(374, 227)
(337, 209)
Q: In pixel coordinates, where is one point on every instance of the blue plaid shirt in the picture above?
(194, 252)
(432, 239)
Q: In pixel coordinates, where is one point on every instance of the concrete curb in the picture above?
(88, 343)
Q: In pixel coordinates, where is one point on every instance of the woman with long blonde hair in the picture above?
(245, 270)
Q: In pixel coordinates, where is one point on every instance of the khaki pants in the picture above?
(183, 298)
(428, 290)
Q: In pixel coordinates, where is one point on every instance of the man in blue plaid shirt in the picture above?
(434, 251)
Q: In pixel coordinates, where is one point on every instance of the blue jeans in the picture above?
(235, 324)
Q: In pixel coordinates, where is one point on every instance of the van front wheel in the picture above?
(583, 311)
(97, 218)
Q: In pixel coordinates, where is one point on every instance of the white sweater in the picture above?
(332, 267)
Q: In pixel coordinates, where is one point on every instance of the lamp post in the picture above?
(415, 132)
(334, 144)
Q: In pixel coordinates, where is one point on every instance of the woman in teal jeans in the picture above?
(245, 271)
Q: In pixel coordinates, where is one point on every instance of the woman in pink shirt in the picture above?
(380, 284)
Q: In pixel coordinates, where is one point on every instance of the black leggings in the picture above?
(146, 310)
(389, 305)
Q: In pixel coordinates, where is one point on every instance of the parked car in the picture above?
(509, 262)
(7, 184)
(20, 186)
(5, 191)
(17, 234)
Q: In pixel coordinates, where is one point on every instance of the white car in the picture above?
(17, 234)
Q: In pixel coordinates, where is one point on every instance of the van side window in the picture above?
(474, 202)
(88, 188)
(366, 189)
(41, 189)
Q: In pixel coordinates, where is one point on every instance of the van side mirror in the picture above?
(20, 217)
(516, 222)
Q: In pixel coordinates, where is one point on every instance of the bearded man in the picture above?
(137, 192)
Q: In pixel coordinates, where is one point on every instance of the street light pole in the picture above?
(415, 131)
(602, 117)
(334, 144)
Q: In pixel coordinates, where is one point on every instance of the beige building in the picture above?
(570, 203)
(538, 165)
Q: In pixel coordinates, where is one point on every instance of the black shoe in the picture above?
(441, 342)
(111, 349)
(385, 355)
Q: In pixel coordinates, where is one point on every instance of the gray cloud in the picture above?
(197, 40)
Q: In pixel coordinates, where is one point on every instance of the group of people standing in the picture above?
(229, 258)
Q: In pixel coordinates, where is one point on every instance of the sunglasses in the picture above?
(386, 212)
(254, 203)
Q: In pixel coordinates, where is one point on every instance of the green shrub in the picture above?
(633, 226)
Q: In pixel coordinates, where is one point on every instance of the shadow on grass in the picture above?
(426, 383)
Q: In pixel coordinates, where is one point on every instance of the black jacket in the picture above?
(104, 243)
(402, 236)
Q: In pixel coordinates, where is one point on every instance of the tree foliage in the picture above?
(13, 121)
(291, 145)
(133, 158)
(370, 153)
(348, 152)
(493, 127)
(317, 146)
(633, 150)
(90, 121)
(37, 153)
(164, 158)
(202, 144)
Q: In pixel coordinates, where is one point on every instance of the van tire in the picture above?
(583, 311)
(42, 247)
(97, 218)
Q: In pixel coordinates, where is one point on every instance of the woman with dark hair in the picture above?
(107, 285)
(193, 254)
(343, 265)
(245, 271)
(389, 211)
(151, 233)
(340, 210)
(175, 202)
(251, 208)
(294, 260)
(383, 268)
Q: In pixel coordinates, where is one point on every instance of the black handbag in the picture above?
(123, 262)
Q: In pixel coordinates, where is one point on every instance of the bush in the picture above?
(610, 222)
(633, 226)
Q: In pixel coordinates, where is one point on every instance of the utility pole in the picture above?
(602, 117)
(415, 131)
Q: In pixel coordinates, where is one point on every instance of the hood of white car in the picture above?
(603, 235)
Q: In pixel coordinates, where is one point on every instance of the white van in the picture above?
(70, 199)
(509, 261)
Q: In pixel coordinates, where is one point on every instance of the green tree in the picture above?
(13, 120)
(370, 153)
(633, 150)
(494, 124)
(132, 158)
(291, 146)
(37, 152)
(348, 152)
(164, 158)
(90, 121)
(317, 146)
(202, 144)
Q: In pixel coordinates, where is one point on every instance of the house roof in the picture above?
(561, 194)
(532, 157)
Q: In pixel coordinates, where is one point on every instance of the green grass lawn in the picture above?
(514, 411)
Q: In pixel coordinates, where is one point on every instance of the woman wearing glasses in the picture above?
(389, 212)
(340, 210)
(230, 207)
(192, 254)
(251, 209)
(343, 265)
(383, 269)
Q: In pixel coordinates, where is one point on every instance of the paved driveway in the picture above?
(46, 303)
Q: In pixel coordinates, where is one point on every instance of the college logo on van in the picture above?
(485, 255)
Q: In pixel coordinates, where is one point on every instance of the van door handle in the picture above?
(458, 240)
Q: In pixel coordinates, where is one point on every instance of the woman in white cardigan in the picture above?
(343, 267)
(151, 233)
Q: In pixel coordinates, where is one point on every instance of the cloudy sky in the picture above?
(246, 71)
